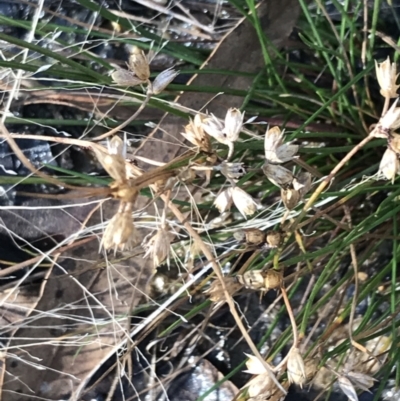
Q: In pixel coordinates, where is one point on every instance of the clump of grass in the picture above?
(275, 209)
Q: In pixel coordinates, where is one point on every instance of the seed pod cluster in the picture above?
(261, 279)
(293, 193)
(128, 180)
(256, 237)
(138, 73)
(277, 152)
(120, 230)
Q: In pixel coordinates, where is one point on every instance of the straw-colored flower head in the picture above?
(125, 78)
(278, 175)
(139, 64)
(214, 127)
(295, 367)
(390, 165)
(387, 76)
(195, 134)
(119, 233)
(233, 124)
(347, 387)
(302, 183)
(275, 150)
(290, 198)
(394, 143)
(163, 80)
(243, 201)
(113, 161)
(273, 279)
(251, 236)
(273, 238)
(361, 380)
(226, 133)
(232, 171)
(253, 279)
(261, 279)
(291, 195)
(262, 386)
(391, 120)
(254, 365)
(223, 201)
(158, 246)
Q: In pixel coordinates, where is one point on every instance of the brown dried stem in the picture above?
(207, 253)
(24, 160)
(320, 188)
(127, 122)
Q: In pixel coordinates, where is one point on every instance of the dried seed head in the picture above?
(139, 64)
(390, 165)
(262, 387)
(124, 192)
(273, 279)
(295, 367)
(275, 150)
(112, 161)
(386, 75)
(243, 201)
(261, 280)
(125, 78)
(292, 195)
(233, 124)
(132, 170)
(254, 365)
(158, 246)
(231, 170)
(391, 120)
(120, 232)
(347, 387)
(254, 279)
(251, 236)
(214, 127)
(361, 380)
(290, 198)
(278, 175)
(216, 292)
(163, 80)
(195, 134)
(273, 239)
(223, 201)
(394, 143)
(116, 146)
(302, 183)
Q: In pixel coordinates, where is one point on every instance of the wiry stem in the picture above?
(24, 160)
(128, 121)
(207, 253)
(325, 183)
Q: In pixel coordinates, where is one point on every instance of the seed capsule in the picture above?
(273, 239)
(251, 236)
(261, 280)
(296, 370)
(139, 64)
(125, 78)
